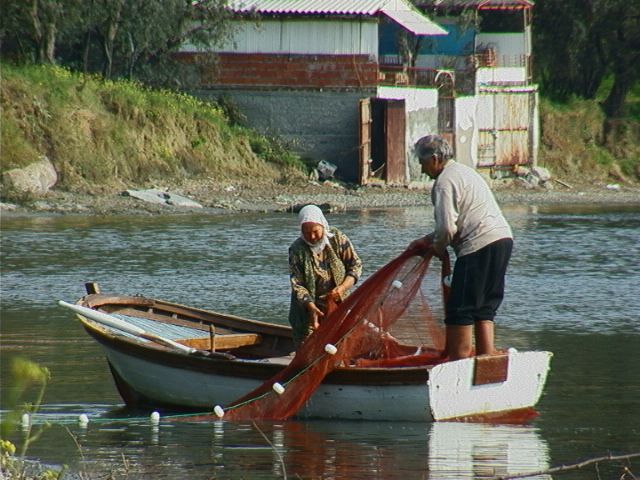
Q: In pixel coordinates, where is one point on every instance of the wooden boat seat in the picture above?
(286, 360)
(223, 342)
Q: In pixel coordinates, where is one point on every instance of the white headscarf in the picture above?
(313, 214)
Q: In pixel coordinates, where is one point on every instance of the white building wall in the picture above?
(466, 130)
(415, 98)
(421, 106)
(320, 37)
(489, 76)
(510, 48)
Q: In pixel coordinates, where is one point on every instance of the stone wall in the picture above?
(322, 125)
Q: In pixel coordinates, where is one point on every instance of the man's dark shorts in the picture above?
(477, 288)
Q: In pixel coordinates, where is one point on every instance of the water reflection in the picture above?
(310, 450)
(458, 450)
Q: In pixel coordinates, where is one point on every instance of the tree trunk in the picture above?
(131, 61)
(614, 106)
(36, 27)
(107, 48)
(85, 52)
(110, 36)
(50, 43)
(44, 17)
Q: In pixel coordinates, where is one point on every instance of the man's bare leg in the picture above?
(459, 341)
(484, 333)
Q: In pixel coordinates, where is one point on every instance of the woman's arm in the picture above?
(296, 277)
(352, 264)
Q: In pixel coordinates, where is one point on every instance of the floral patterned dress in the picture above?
(313, 276)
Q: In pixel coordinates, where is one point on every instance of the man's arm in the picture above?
(446, 216)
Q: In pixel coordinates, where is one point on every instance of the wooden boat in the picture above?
(164, 354)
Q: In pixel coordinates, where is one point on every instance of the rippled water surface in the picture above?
(573, 288)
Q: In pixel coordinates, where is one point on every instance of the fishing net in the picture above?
(388, 321)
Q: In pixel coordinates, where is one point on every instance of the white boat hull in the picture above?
(448, 395)
(177, 386)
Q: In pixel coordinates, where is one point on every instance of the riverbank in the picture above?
(243, 196)
(125, 137)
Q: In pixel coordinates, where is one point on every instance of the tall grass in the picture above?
(578, 141)
(109, 134)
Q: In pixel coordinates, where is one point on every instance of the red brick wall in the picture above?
(277, 70)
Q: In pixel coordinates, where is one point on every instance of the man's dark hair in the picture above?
(433, 145)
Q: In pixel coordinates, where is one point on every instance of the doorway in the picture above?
(382, 141)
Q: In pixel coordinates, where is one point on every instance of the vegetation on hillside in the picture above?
(579, 142)
(582, 46)
(587, 61)
(104, 133)
(110, 134)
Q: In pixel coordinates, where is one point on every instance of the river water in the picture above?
(573, 288)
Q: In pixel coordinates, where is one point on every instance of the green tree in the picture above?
(117, 38)
(625, 56)
(579, 43)
(143, 45)
(108, 28)
(32, 29)
(134, 35)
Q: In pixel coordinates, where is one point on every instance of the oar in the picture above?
(124, 326)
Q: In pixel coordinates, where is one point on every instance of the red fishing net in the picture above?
(386, 322)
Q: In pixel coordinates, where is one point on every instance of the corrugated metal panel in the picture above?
(400, 11)
(415, 22)
(478, 4)
(512, 148)
(341, 7)
(512, 111)
(338, 38)
(305, 37)
(251, 38)
(504, 128)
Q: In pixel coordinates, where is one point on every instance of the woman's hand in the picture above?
(339, 292)
(336, 294)
(314, 316)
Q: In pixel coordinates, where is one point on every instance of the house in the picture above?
(357, 82)
(494, 109)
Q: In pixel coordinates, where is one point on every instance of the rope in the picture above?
(70, 419)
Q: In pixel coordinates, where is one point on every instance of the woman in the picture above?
(323, 265)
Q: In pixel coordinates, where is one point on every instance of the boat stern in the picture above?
(489, 388)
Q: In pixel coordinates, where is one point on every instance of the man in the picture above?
(468, 218)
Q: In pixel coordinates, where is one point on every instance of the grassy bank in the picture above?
(102, 135)
(579, 143)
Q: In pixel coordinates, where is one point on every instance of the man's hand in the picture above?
(421, 245)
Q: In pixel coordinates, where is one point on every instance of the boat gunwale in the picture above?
(246, 368)
(194, 314)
